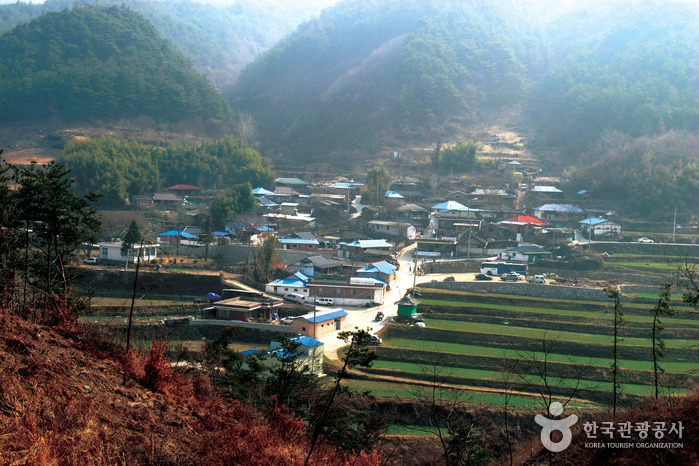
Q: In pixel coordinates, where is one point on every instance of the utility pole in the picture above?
(674, 224)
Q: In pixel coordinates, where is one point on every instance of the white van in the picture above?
(294, 298)
(324, 301)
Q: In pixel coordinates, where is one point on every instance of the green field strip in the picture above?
(560, 312)
(565, 302)
(592, 327)
(648, 265)
(679, 259)
(407, 391)
(466, 350)
(470, 327)
(478, 374)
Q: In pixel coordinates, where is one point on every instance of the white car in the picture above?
(645, 240)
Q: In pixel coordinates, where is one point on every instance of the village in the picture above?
(345, 265)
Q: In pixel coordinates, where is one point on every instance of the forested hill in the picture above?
(369, 74)
(100, 63)
(220, 40)
(369, 70)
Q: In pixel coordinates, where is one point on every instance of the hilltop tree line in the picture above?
(100, 63)
(117, 168)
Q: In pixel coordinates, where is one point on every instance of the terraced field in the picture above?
(490, 343)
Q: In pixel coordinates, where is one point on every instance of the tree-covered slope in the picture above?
(370, 70)
(219, 39)
(99, 63)
(117, 169)
(633, 71)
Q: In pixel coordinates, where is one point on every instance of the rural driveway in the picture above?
(363, 318)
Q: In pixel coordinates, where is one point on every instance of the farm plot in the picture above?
(491, 342)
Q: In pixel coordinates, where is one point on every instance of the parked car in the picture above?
(294, 298)
(449, 279)
(643, 239)
(287, 320)
(325, 301)
(375, 340)
(92, 260)
(482, 276)
(511, 276)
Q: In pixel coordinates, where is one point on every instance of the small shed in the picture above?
(407, 307)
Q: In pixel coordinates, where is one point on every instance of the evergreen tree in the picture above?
(133, 236)
(662, 308)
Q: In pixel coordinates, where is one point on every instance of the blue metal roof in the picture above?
(289, 282)
(394, 195)
(262, 192)
(182, 233)
(346, 185)
(306, 341)
(325, 315)
(383, 267)
(297, 241)
(593, 221)
(453, 205)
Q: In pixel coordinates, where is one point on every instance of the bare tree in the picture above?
(246, 128)
(445, 402)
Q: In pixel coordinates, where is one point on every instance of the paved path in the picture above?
(363, 318)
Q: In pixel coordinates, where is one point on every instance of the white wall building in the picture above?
(112, 252)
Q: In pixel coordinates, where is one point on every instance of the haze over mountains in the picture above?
(372, 74)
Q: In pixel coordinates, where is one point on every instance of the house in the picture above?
(528, 253)
(310, 353)
(266, 203)
(473, 244)
(388, 228)
(316, 265)
(184, 190)
(522, 224)
(544, 193)
(600, 226)
(443, 246)
(358, 292)
(380, 270)
(167, 199)
(245, 309)
(112, 252)
(494, 230)
(295, 283)
(413, 213)
(446, 214)
(359, 248)
(290, 182)
(143, 201)
(320, 323)
(558, 212)
(299, 244)
(262, 192)
(178, 237)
